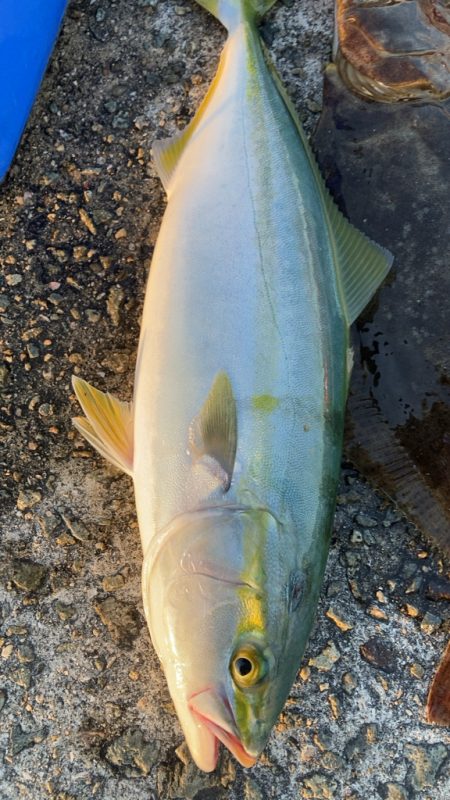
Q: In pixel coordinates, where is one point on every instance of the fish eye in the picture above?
(247, 666)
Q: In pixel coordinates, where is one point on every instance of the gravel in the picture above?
(84, 709)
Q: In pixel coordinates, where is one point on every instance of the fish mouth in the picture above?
(207, 708)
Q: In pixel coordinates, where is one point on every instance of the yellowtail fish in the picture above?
(233, 439)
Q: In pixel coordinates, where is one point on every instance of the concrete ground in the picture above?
(84, 710)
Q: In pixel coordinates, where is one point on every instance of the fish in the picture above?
(233, 438)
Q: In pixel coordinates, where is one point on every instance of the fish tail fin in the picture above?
(232, 12)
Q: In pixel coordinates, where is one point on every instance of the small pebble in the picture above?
(114, 302)
(22, 677)
(394, 791)
(349, 683)
(410, 610)
(131, 750)
(365, 521)
(76, 527)
(430, 623)
(377, 653)
(335, 706)
(28, 575)
(14, 279)
(417, 671)
(65, 611)
(113, 582)
(33, 350)
(86, 220)
(122, 620)
(45, 410)
(415, 585)
(19, 739)
(25, 654)
(28, 499)
(325, 660)
(337, 617)
(377, 613)
(318, 786)
(426, 761)
(65, 540)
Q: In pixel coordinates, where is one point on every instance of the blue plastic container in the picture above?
(28, 30)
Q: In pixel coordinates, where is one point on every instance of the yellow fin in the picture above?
(213, 433)
(361, 264)
(167, 152)
(108, 425)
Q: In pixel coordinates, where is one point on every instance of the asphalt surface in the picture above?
(84, 710)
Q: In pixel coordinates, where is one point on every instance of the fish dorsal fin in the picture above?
(107, 426)
(167, 152)
(213, 432)
(361, 265)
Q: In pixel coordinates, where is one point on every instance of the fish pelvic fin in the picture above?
(232, 12)
(213, 432)
(107, 426)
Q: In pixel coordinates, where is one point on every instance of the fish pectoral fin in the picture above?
(213, 432)
(108, 425)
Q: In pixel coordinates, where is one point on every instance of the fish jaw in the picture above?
(203, 744)
(215, 715)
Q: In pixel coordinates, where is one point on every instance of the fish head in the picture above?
(222, 602)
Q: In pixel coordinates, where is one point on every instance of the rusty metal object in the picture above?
(394, 50)
(438, 703)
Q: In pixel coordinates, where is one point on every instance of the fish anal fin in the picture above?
(213, 432)
(107, 425)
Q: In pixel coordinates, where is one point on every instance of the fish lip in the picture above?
(227, 735)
